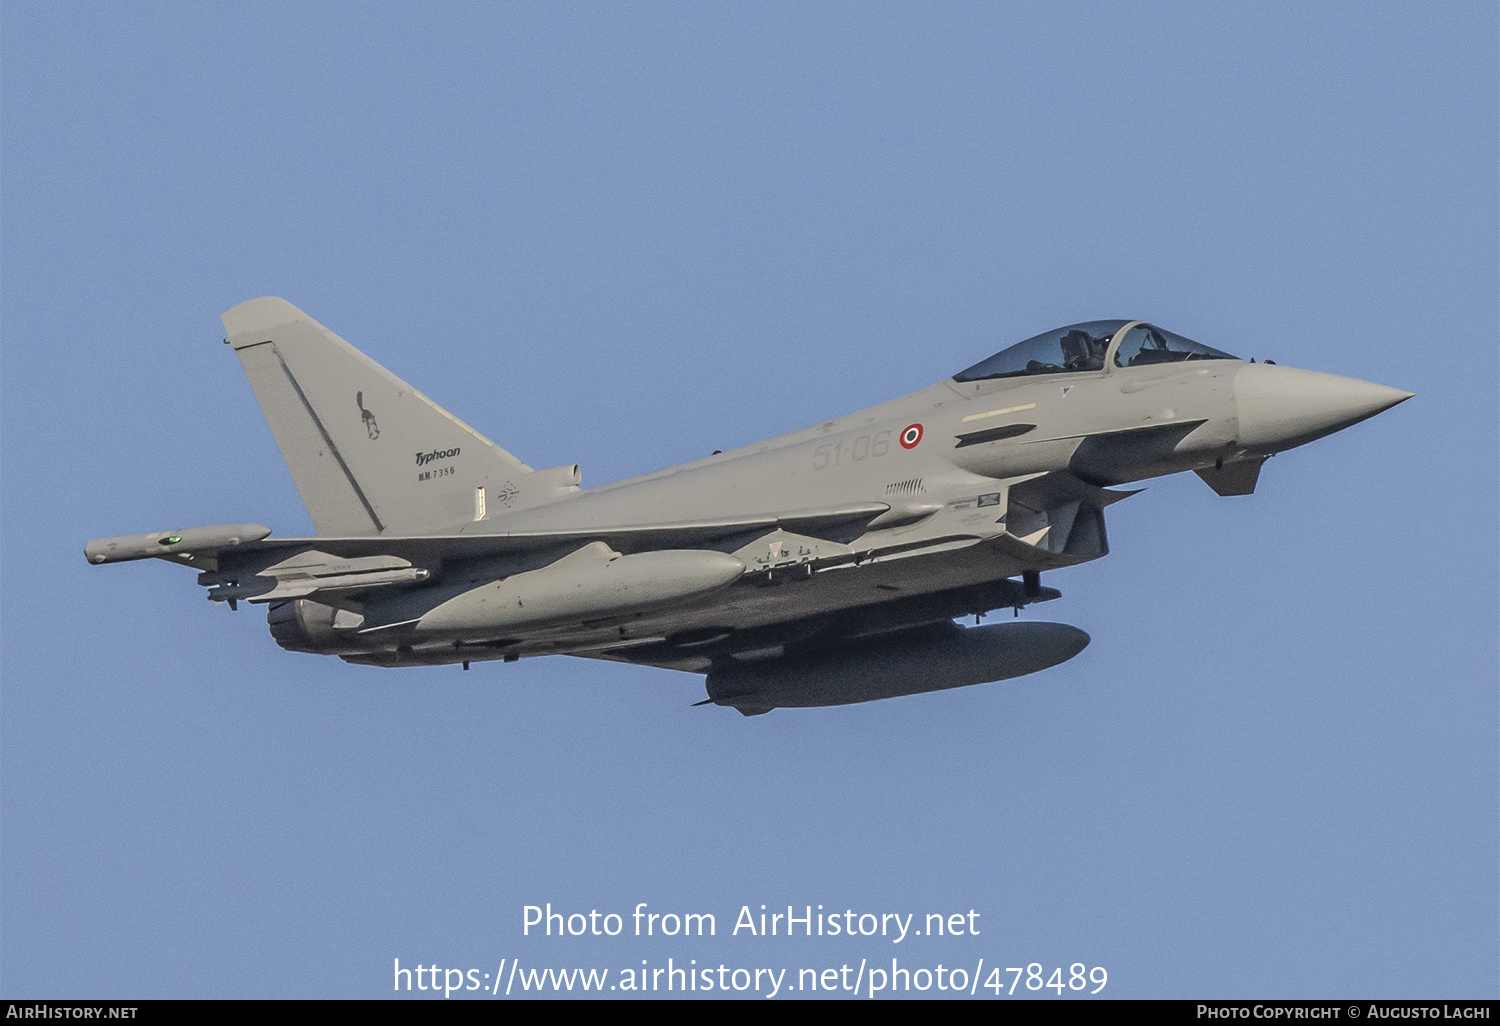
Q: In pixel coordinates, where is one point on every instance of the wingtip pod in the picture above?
(186, 541)
(260, 315)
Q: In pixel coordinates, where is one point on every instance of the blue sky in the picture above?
(625, 237)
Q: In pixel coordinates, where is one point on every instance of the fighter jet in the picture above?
(822, 567)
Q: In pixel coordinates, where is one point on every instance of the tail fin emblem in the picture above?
(372, 428)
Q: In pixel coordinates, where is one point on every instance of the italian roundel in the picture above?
(910, 436)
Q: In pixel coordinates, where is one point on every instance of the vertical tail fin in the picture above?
(369, 453)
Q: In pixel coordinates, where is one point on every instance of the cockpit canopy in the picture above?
(1084, 347)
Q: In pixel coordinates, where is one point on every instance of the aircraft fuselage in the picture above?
(789, 570)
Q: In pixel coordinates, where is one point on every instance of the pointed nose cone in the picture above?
(1280, 407)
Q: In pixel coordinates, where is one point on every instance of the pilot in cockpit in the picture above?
(1081, 351)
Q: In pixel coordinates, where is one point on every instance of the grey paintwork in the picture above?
(815, 568)
(195, 544)
(941, 656)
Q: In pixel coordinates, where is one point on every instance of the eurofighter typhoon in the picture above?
(822, 567)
